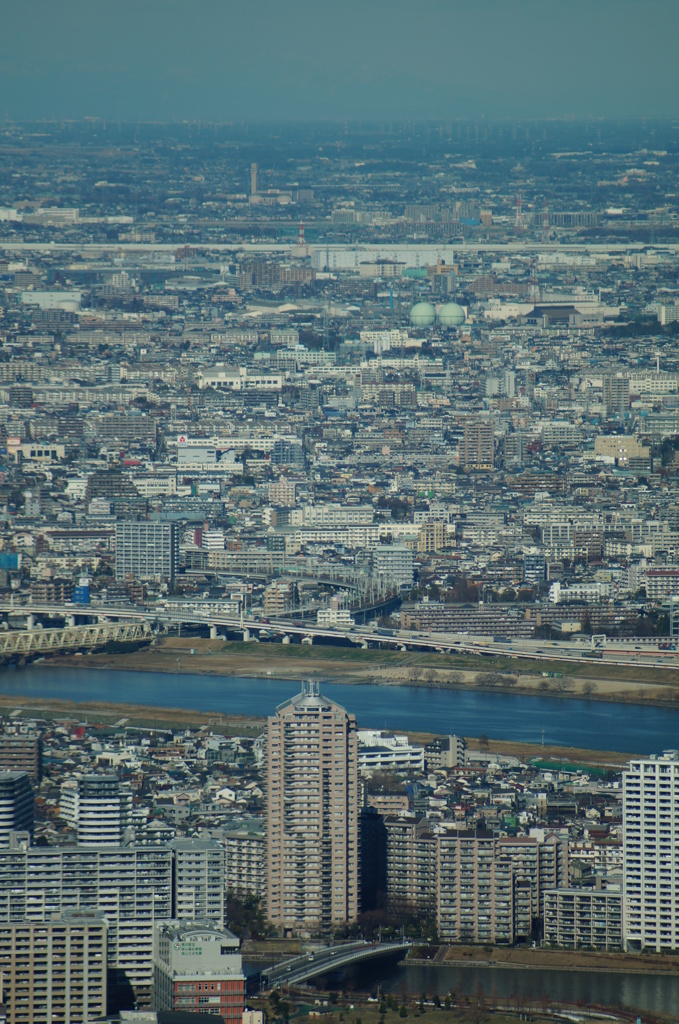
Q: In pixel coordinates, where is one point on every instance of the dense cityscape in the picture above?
(396, 398)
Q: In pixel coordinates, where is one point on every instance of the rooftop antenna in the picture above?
(300, 237)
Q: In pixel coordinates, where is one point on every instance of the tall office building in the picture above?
(146, 550)
(650, 821)
(54, 972)
(98, 807)
(198, 969)
(17, 805)
(312, 859)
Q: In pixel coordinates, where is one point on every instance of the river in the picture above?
(648, 993)
(594, 725)
(565, 721)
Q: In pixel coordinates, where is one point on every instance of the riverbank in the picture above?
(109, 713)
(541, 958)
(519, 957)
(460, 993)
(339, 1006)
(142, 716)
(351, 665)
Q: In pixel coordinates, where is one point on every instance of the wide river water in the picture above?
(647, 993)
(595, 725)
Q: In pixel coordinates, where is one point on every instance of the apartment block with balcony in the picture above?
(98, 807)
(312, 815)
(131, 885)
(650, 802)
(146, 550)
(198, 880)
(21, 750)
(54, 972)
(411, 853)
(583, 919)
(475, 893)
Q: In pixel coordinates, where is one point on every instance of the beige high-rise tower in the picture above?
(312, 856)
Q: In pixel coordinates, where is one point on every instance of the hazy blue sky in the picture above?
(317, 59)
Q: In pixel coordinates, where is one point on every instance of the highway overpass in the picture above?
(628, 651)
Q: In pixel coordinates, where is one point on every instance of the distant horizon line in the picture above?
(339, 120)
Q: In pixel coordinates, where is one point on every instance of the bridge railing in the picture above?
(301, 968)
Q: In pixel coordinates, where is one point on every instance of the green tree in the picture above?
(245, 916)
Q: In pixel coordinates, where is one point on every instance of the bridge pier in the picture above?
(213, 632)
(286, 639)
(70, 620)
(246, 635)
(30, 621)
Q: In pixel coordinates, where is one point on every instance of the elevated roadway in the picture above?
(627, 652)
(528, 245)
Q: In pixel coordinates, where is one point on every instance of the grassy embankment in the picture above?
(589, 680)
(546, 959)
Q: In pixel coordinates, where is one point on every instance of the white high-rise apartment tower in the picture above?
(651, 853)
(312, 855)
(98, 807)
